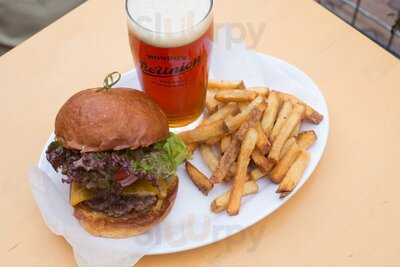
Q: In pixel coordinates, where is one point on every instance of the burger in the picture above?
(114, 149)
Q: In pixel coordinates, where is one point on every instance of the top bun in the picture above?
(98, 120)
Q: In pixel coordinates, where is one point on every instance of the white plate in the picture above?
(191, 224)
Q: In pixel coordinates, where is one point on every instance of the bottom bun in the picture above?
(101, 225)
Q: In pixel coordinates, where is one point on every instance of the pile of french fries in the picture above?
(248, 134)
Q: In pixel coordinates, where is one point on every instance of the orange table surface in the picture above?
(348, 214)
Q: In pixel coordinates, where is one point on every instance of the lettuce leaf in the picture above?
(176, 149)
(164, 157)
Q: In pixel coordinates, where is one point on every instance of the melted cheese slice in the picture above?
(140, 188)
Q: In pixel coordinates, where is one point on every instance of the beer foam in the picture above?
(169, 23)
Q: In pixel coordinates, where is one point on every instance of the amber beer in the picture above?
(171, 45)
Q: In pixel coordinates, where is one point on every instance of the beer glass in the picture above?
(171, 42)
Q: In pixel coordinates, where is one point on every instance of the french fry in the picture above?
(283, 195)
(220, 105)
(232, 151)
(246, 150)
(310, 114)
(220, 203)
(263, 143)
(243, 105)
(258, 125)
(198, 178)
(270, 113)
(294, 174)
(209, 157)
(228, 118)
(261, 161)
(225, 85)
(226, 161)
(262, 107)
(261, 91)
(255, 116)
(191, 148)
(251, 121)
(203, 132)
(211, 102)
(231, 172)
(237, 95)
(234, 123)
(284, 134)
(222, 113)
(225, 112)
(225, 142)
(213, 140)
(283, 115)
(284, 164)
(304, 141)
(296, 130)
(288, 97)
(289, 143)
(257, 174)
(217, 149)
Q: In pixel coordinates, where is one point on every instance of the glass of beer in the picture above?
(171, 42)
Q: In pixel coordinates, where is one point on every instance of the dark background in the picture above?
(374, 18)
(20, 19)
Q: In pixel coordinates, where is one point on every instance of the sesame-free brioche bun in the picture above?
(98, 120)
(101, 225)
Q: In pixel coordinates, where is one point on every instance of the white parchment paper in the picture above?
(190, 223)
